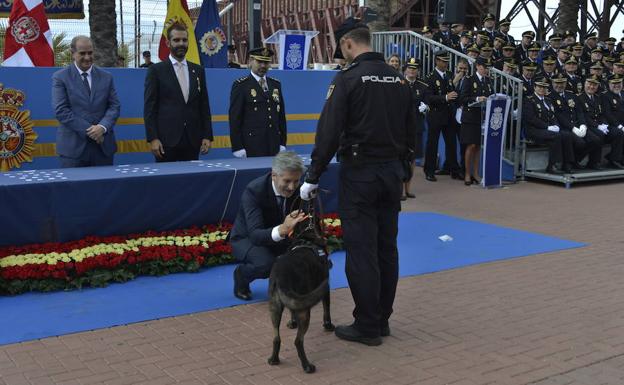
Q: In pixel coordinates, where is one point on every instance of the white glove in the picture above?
(308, 191)
(240, 153)
(515, 114)
(553, 128)
(282, 148)
(621, 127)
(423, 108)
(578, 132)
(583, 129)
(604, 128)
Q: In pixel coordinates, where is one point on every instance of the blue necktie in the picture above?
(85, 80)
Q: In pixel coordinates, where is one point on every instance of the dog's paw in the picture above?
(329, 327)
(309, 368)
(292, 324)
(273, 360)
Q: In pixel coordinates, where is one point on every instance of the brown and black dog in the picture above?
(299, 280)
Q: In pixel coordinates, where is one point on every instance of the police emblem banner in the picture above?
(211, 39)
(17, 137)
(294, 48)
(495, 124)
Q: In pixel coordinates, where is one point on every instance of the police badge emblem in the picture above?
(496, 122)
(437, 83)
(329, 93)
(558, 102)
(276, 95)
(571, 103)
(17, 138)
(253, 93)
(475, 85)
(614, 101)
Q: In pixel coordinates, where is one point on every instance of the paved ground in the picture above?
(547, 319)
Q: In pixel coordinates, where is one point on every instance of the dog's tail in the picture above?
(295, 301)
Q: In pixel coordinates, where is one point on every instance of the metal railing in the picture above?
(408, 44)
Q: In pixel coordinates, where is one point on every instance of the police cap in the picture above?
(347, 26)
(261, 54)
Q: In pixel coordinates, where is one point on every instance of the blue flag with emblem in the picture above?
(211, 40)
(496, 113)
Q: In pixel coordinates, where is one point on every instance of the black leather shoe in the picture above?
(350, 333)
(431, 178)
(616, 164)
(595, 167)
(552, 169)
(384, 331)
(241, 291)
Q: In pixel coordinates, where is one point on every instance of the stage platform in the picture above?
(60, 205)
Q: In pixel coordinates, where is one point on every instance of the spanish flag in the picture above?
(178, 12)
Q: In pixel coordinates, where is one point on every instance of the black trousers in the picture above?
(615, 137)
(560, 144)
(91, 156)
(257, 263)
(450, 145)
(183, 151)
(590, 145)
(369, 205)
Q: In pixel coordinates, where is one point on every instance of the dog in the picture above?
(299, 280)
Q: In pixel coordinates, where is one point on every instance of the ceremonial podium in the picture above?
(294, 48)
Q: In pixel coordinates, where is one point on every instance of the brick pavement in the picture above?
(546, 319)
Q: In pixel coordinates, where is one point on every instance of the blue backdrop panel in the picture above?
(68, 204)
(304, 93)
(36, 315)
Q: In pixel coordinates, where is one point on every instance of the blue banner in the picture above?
(54, 9)
(496, 113)
(294, 47)
(211, 40)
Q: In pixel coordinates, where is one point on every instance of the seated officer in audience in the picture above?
(570, 118)
(528, 73)
(575, 83)
(613, 108)
(264, 221)
(541, 126)
(597, 122)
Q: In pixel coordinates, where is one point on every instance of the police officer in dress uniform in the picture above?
(443, 36)
(441, 98)
(528, 73)
(541, 126)
(503, 28)
(418, 96)
(368, 121)
(522, 52)
(613, 107)
(575, 83)
(257, 115)
(597, 122)
(570, 118)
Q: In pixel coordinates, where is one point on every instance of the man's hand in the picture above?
(282, 148)
(308, 191)
(290, 221)
(157, 148)
(205, 146)
(95, 132)
(451, 96)
(481, 98)
(240, 153)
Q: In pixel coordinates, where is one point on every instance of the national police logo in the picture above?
(571, 103)
(25, 30)
(17, 138)
(294, 56)
(496, 121)
(212, 41)
(276, 95)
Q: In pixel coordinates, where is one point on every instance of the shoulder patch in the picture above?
(240, 80)
(346, 68)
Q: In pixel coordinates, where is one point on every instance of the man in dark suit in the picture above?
(264, 221)
(257, 113)
(86, 105)
(177, 114)
(613, 107)
(441, 97)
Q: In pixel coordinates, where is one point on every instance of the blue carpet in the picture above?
(34, 315)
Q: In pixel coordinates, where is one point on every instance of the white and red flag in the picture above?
(28, 41)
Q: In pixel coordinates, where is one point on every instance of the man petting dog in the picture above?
(367, 120)
(262, 224)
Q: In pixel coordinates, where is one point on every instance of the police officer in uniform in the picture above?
(575, 83)
(257, 115)
(368, 121)
(443, 36)
(598, 124)
(528, 73)
(442, 97)
(570, 118)
(541, 125)
(503, 28)
(613, 107)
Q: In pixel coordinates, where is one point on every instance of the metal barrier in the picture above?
(408, 44)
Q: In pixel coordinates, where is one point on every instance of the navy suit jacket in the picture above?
(258, 214)
(76, 110)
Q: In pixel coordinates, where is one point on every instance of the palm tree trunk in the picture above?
(383, 11)
(103, 25)
(568, 16)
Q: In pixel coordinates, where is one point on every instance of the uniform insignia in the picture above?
(330, 91)
(437, 83)
(253, 92)
(240, 80)
(17, 138)
(474, 85)
(417, 92)
(614, 101)
(571, 103)
(587, 106)
(278, 108)
(539, 106)
(276, 95)
(558, 102)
